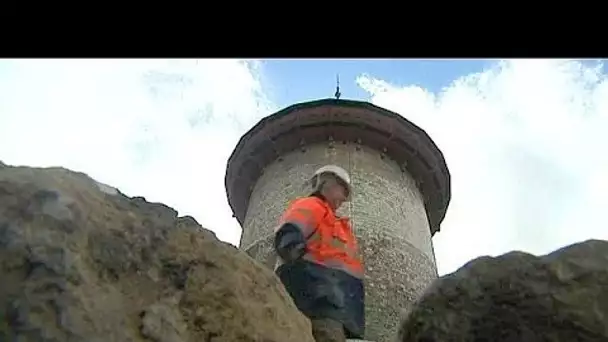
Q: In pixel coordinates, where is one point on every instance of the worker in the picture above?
(318, 260)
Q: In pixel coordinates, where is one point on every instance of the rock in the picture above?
(79, 261)
(562, 296)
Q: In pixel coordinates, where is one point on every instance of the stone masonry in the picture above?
(387, 209)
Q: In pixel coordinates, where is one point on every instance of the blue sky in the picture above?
(524, 139)
(292, 81)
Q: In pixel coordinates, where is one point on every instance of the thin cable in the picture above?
(350, 203)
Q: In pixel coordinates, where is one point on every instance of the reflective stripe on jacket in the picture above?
(330, 241)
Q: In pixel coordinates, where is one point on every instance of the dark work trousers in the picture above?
(327, 330)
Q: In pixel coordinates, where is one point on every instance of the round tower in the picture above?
(401, 191)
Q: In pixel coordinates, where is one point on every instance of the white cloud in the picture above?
(154, 128)
(525, 142)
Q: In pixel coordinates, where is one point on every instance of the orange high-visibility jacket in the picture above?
(330, 240)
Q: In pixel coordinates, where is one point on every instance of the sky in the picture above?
(524, 140)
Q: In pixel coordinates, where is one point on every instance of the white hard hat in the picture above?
(338, 172)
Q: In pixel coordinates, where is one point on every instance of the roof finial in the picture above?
(338, 94)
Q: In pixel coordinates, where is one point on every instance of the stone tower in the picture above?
(401, 191)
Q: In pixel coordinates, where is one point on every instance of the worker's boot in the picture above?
(327, 330)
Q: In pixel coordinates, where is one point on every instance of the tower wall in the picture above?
(400, 197)
(388, 215)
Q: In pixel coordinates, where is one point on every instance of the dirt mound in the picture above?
(559, 297)
(79, 261)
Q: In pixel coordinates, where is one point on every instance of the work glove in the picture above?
(295, 252)
(290, 245)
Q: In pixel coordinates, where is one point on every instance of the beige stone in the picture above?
(80, 262)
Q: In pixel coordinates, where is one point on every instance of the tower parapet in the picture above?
(401, 191)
